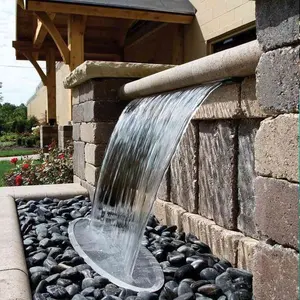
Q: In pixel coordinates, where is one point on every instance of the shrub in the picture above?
(8, 137)
(54, 167)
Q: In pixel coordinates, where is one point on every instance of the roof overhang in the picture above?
(106, 27)
(175, 12)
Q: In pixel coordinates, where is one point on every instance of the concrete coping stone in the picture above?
(240, 61)
(107, 69)
(34, 192)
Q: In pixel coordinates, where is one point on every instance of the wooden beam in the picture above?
(89, 10)
(29, 56)
(51, 86)
(102, 56)
(143, 33)
(56, 36)
(21, 3)
(76, 29)
(41, 32)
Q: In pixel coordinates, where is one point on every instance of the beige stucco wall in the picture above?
(37, 106)
(63, 97)
(214, 18)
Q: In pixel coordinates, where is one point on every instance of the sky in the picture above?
(19, 79)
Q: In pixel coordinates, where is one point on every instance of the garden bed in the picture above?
(57, 272)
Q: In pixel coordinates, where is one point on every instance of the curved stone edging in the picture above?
(14, 283)
(35, 192)
(239, 61)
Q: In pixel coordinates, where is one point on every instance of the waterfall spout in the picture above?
(139, 152)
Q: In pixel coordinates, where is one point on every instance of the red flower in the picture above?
(19, 180)
(61, 156)
(25, 166)
(14, 160)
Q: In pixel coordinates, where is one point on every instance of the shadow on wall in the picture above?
(194, 42)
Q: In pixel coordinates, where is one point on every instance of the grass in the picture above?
(5, 166)
(16, 152)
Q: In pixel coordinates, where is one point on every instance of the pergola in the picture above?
(73, 31)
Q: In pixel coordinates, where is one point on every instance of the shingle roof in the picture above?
(168, 6)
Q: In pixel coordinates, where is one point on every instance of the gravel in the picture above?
(56, 271)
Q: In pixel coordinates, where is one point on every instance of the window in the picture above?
(233, 40)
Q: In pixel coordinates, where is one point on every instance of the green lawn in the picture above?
(16, 152)
(5, 166)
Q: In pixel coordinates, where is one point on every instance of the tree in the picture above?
(1, 97)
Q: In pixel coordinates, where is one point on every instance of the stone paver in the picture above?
(275, 273)
(276, 211)
(276, 147)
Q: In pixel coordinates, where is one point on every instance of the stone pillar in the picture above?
(95, 114)
(96, 108)
(276, 151)
(64, 135)
(48, 134)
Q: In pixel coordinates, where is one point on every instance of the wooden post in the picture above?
(51, 87)
(76, 29)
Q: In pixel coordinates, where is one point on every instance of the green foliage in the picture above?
(14, 118)
(27, 140)
(55, 167)
(8, 137)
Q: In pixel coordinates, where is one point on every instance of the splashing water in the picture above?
(139, 152)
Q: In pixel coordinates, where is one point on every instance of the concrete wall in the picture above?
(37, 105)
(214, 18)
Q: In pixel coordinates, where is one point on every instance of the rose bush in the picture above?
(54, 167)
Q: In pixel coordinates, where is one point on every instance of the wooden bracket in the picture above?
(40, 34)
(56, 36)
(30, 57)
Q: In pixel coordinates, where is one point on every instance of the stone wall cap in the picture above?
(239, 61)
(107, 69)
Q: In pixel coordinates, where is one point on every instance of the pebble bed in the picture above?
(57, 272)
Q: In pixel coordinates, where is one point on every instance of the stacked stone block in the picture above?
(276, 151)
(210, 184)
(96, 109)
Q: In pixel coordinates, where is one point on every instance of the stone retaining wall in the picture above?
(233, 180)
